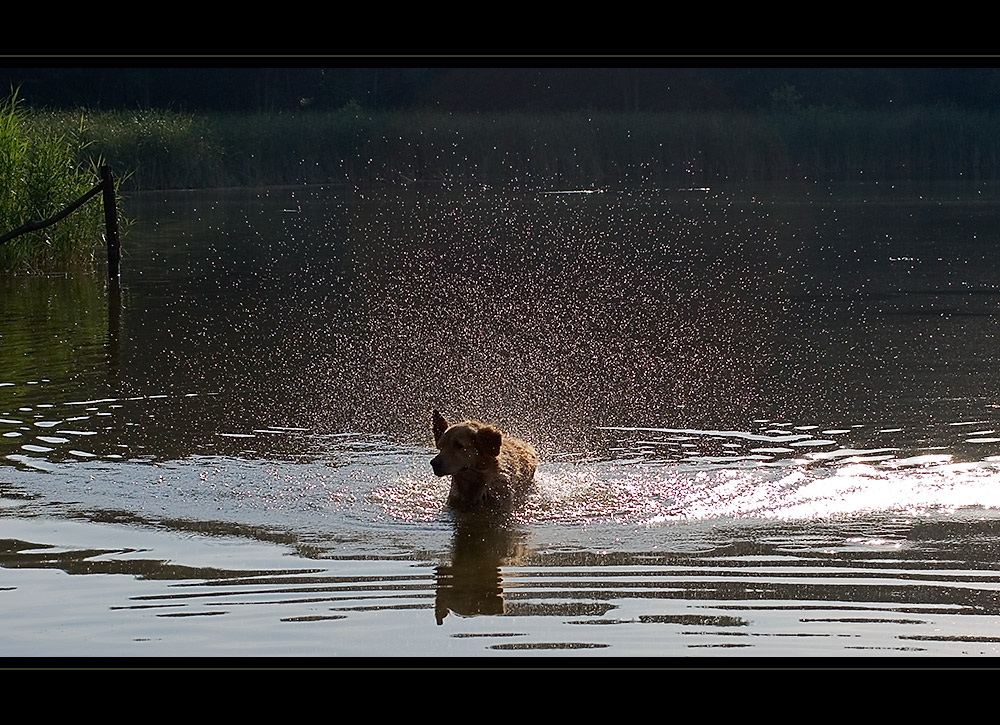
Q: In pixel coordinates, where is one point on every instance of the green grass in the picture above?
(41, 172)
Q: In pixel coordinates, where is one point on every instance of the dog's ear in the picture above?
(440, 426)
(488, 441)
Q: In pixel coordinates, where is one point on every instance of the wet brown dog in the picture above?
(488, 469)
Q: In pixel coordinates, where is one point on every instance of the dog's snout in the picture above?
(438, 465)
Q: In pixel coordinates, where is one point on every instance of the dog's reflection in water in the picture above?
(471, 585)
(491, 474)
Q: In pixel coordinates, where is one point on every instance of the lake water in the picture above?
(768, 418)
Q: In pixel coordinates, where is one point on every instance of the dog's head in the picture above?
(463, 446)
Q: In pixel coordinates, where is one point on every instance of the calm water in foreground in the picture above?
(769, 420)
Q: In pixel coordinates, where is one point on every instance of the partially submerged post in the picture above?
(113, 241)
(111, 226)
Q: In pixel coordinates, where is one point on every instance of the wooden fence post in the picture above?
(114, 271)
(111, 225)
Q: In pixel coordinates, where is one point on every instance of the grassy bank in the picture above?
(41, 172)
(174, 150)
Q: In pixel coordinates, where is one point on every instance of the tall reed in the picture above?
(40, 174)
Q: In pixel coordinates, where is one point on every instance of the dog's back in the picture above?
(488, 469)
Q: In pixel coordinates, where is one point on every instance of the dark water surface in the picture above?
(768, 420)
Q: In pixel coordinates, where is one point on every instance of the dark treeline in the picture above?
(504, 89)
